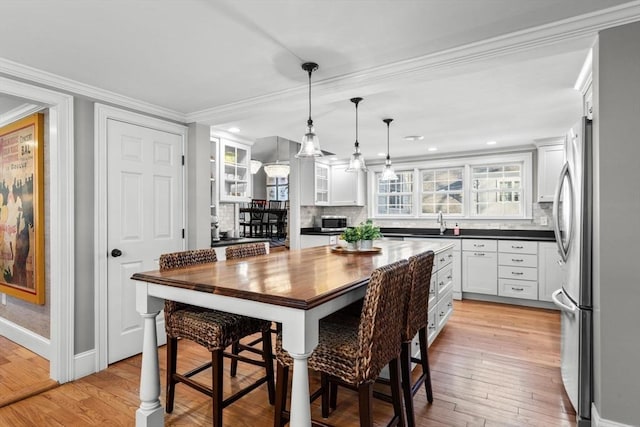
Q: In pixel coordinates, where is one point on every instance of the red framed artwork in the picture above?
(22, 209)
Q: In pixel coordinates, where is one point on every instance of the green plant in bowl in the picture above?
(368, 231)
(350, 235)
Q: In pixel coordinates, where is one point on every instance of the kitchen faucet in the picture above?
(443, 224)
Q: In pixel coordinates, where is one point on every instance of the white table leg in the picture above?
(300, 408)
(150, 413)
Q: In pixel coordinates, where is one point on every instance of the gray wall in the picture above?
(198, 153)
(617, 224)
(84, 288)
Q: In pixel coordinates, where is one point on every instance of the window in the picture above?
(496, 190)
(395, 197)
(277, 188)
(442, 190)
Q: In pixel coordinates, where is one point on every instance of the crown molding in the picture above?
(19, 112)
(50, 80)
(574, 28)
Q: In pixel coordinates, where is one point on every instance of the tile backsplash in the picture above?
(357, 214)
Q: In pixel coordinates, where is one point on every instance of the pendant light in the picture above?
(357, 160)
(309, 146)
(255, 166)
(388, 174)
(277, 169)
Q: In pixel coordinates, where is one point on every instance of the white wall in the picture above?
(616, 250)
(197, 166)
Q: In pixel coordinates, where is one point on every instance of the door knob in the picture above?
(116, 253)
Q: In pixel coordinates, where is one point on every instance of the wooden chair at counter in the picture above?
(352, 351)
(215, 330)
(255, 221)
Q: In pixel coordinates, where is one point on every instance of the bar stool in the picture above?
(214, 330)
(353, 353)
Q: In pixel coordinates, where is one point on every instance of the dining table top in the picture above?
(301, 279)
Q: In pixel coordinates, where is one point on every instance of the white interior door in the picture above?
(144, 220)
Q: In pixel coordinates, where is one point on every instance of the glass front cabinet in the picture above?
(235, 175)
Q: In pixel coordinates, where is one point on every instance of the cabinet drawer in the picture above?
(518, 246)
(479, 245)
(518, 289)
(443, 259)
(518, 260)
(444, 309)
(520, 273)
(445, 280)
(433, 290)
(432, 327)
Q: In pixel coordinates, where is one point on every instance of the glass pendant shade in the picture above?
(277, 170)
(388, 174)
(255, 166)
(356, 163)
(310, 145)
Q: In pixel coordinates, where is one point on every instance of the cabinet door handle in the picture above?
(517, 289)
(517, 260)
(517, 247)
(442, 314)
(432, 326)
(441, 284)
(517, 273)
(449, 277)
(478, 254)
(442, 259)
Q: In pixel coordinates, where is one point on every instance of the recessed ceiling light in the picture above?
(234, 130)
(492, 142)
(382, 154)
(414, 137)
(432, 149)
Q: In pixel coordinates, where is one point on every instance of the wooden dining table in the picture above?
(296, 288)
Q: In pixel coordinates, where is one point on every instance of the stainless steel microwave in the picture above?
(332, 223)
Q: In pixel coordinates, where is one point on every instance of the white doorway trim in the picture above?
(61, 222)
(102, 114)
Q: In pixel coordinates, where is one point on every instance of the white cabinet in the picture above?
(314, 185)
(480, 266)
(313, 240)
(234, 173)
(518, 269)
(213, 181)
(550, 271)
(347, 188)
(550, 161)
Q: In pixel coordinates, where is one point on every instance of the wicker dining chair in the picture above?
(215, 330)
(352, 353)
(236, 252)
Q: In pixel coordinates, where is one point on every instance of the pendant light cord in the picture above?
(357, 144)
(310, 122)
(388, 122)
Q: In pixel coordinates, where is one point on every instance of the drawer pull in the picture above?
(517, 273)
(442, 259)
(517, 247)
(517, 260)
(517, 289)
(449, 277)
(432, 291)
(450, 304)
(432, 326)
(442, 314)
(475, 245)
(441, 284)
(478, 253)
(450, 256)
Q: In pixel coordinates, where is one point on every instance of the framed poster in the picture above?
(22, 209)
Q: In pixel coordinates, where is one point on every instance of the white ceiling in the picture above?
(458, 72)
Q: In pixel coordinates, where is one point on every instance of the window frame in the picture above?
(525, 159)
(411, 194)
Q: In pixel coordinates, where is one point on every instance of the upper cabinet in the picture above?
(235, 176)
(550, 161)
(315, 180)
(347, 188)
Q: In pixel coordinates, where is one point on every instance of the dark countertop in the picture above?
(237, 241)
(477, 233)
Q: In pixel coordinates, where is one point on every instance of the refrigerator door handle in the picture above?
(571, 308)
(562, 248)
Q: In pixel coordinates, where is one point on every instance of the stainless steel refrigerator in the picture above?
(572, 213)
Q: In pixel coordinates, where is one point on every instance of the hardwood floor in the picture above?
(22, 373)
(493, 365)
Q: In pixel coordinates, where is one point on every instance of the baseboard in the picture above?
(85, 364)
(596, 421)
(509, 300)
(26, 338)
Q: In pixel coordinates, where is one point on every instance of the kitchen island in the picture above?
(296, 288)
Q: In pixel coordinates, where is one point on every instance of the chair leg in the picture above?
(424, 356)
(394, 378)
(267, 356)
(405, 369)
(235, 349)
(324, 384)
(365, 396)
(172, 355)
(333, 395)
(217, 368)
(282, 384)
